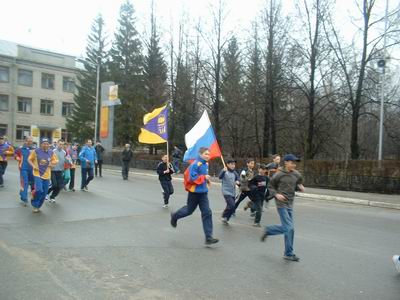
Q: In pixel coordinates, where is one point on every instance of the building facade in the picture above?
(36, 92)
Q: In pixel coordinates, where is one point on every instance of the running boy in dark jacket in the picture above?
(258, 187)
(165, 170)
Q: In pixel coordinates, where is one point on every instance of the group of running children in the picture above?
(271, 181)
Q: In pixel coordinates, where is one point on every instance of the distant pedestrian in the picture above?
(6, 150)
(164, 171)
(230, 179)
(67, 166)
(100, 153)
(73, 153)
(283, 186)
(396, 261)
(57, 172)
(196, 181)
(41, 159)
(176, 158)
(88, 159)
(126, 158)
(25, 169)
(245, 176)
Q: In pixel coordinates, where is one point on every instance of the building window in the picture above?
(47, 107)
(4, 74)
(25, 77)
(3, 129)
(48, 81)
(68, 84)
(66, 135)
(3, 102)
(23, 131)
(67, 109)
(24, 105)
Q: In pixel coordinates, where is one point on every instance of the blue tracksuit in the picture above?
(26, 172)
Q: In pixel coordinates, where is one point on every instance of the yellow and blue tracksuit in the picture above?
(41, 160)
(5, 150)
(25, 171)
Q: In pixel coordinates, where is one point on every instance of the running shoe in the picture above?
(211, 241)
(396, 261)
(291, 257)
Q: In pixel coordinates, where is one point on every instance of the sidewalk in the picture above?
(367, 199)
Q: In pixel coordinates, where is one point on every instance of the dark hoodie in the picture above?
(285, 183)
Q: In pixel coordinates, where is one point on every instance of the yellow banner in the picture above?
(104, 122)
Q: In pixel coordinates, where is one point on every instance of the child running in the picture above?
(246, 175)
(230, 179)
(196, 182)
(165, 170)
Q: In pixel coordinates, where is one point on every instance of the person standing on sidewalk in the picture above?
(25, 169)
(126, 158)
(41, 160)
(164, 171)
(230, 179)
(176, 158)
(100, 153)
(57, 172)
(73, 153)
(88, 158)
(283, 187)
(245, 176)
(196, 180)
(5, 150)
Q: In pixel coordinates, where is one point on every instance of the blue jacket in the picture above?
(87, 153)
(22, 154)
(195, 177)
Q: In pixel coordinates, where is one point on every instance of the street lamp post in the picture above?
(382, 63)
(97, 100)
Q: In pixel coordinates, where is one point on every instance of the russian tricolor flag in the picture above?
(201, 135)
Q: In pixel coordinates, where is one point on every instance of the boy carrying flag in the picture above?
(230, 179)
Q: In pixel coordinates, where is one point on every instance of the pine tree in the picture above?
(254, 88)
(126, 70)
(155, 70)
(232, 92)
(81, 122)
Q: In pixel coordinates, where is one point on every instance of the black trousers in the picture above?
(100, 166)
(241, 197)
(57, 183)
(125, 169)
(168, 190)
(72, 179)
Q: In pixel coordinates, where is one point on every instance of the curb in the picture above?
(316, 197)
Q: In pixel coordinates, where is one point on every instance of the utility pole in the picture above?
(97, 100)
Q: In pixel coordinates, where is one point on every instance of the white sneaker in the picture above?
(52, 201)
(396, 261)
(224, 221)
(165, 205)
(47, 198)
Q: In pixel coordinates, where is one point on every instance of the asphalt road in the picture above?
(115, 242)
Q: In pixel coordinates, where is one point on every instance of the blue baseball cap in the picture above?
(290, 157)
(44, 140)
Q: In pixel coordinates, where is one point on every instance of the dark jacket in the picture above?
(99, 151)
(258, 186)
(177, 154)
(127, 155)
(285, 183)
(162, 166)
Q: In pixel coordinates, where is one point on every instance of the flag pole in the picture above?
(167, 153)
(223, 161)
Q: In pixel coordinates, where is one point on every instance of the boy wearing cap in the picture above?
(41, 160)
(283, 187)
(5, 150)
(230, 178)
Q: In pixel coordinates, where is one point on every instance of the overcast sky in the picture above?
(63, 26)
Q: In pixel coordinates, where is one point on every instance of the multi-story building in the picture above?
(36, 92)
